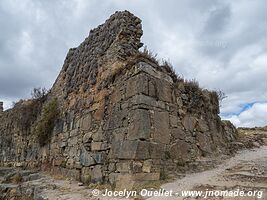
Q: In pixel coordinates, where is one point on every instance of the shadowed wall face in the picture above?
(1, 106)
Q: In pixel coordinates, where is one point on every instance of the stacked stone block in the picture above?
(123, 118)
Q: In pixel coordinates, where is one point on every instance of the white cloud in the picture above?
(253, 116)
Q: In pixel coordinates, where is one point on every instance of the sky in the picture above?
(222, 44)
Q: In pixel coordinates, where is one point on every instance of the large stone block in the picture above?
(97, 174)
(99, 146)
(130, 150)
(124, 166)
(143, 101)
(202, 125)
(164, 91)
(161, 131)
(118, 94)
(156, 150)
(140, 125)
(152, 91)
(189, 123)
(86, 122)
(178, 133)
(152, 71)
(180, 151)
(137, 85)
(129, 181)
(73, 151)
(74, 132)
(117, 118)
(86, 158)
(174, 121)
(86, 175)
(204, 142)
(73, 141)
(99, 157)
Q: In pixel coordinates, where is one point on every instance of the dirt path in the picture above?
(247, 171)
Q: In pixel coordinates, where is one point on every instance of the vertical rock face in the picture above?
(124, 119)
(115, 40)
(1, 107)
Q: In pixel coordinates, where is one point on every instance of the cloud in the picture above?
(254, 115)
(223, 44)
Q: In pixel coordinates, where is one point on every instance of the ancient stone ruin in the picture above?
(1, 107)
(114, 115)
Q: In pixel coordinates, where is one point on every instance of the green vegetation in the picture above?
(26, 112)
(46, 123)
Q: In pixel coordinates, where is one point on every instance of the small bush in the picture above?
(192, 85)
(220, 96)
(39, 93)
(46, 123)
(149, 55)
(195, 93)
(170, 70)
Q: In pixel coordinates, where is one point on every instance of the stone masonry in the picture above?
(1, 107)
(124, 119)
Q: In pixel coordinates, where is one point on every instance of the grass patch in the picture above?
(45, 125)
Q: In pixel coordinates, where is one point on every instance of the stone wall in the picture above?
(1, 107)
(124, 119)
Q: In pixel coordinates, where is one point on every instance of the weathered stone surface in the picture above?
(58, 161)
(174, 121)
(86, 122)
(161, 132)
(99, 146)
(180, 151)
(122, 117)
(117, 118)
(86, 159)
(204, 141)
(97, 175)
(99, 157)
(164, 91)
(73, 173)
(189, 123)
(124, 166)
(87, 137)
(140, 125)
(157, 150)
(73, 141)
(128, 181)
(202, 125)
(143, 101)
(86, 175)
(137, 85)
(178, 133)
(147, 166)
(147, 68)
(130, 150)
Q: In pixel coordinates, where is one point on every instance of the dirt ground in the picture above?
(246, 171)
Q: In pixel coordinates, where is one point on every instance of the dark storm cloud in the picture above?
(225, 41)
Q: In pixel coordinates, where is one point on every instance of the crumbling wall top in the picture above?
(117, 39)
